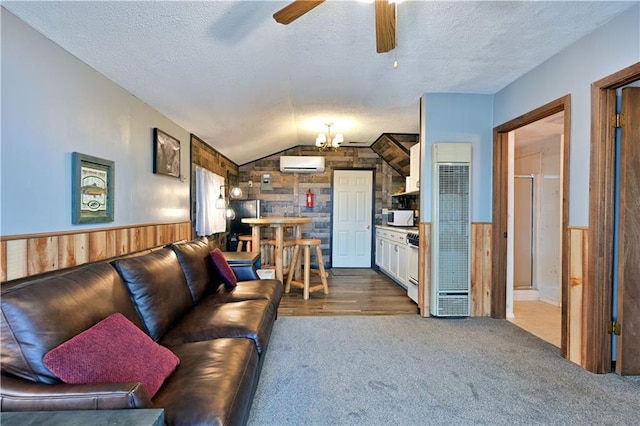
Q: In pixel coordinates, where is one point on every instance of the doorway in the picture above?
(534, 275)
(556, 113)
(599, 287)
(352, 219)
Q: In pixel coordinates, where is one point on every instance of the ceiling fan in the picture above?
(385, 20)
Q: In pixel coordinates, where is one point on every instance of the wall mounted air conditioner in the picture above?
(301, 164)
(451, 234)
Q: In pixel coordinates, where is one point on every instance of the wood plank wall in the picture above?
(578, 273)
(287, 196)
(25, 255)
(203, 155)
(481, 234)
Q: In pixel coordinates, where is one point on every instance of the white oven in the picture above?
(413, 240)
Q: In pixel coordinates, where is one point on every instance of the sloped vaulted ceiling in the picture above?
(250, 87)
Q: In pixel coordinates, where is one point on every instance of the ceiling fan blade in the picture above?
(295, 10)
(385, 26)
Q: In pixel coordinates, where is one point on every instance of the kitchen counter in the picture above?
(399, 228)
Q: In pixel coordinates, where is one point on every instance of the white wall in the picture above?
(609, 49)
(54, 104)
(549, 223)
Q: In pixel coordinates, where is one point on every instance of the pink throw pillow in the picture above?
(224, 270)
(112, 351)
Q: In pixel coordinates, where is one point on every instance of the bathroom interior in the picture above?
(537, 219)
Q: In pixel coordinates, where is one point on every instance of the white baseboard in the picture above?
(526, 294)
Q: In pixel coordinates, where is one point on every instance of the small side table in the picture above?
(141, 417)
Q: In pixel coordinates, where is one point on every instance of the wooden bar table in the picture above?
(279, 223)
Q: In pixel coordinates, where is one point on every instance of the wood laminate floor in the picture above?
(351, 292)
(538, 318)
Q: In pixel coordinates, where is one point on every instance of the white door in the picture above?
(352, 227)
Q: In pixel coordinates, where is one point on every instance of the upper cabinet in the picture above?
(413, 180)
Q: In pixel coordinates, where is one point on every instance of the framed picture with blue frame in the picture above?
(92, 189)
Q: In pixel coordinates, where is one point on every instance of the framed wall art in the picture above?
(166, 154)
(92, 189)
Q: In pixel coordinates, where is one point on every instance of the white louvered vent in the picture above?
(451, 262)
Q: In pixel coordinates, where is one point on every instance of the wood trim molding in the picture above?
(598, 288)
(500, 197)
(499, 226)
(76, 232)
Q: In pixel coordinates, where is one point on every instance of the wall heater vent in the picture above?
(451, 245)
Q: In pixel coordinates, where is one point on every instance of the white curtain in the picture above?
(209, 219)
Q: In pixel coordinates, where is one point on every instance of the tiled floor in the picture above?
(538, 318)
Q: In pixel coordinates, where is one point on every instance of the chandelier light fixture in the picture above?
(326, 140)
(223, 203)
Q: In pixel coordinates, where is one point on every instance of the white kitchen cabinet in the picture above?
(391, 253)
(403, 263)
(413, 180)
(386, 254)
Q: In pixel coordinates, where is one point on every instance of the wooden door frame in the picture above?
(597, 296)
(500, 210)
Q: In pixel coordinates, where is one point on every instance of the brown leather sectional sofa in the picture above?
(219, 334)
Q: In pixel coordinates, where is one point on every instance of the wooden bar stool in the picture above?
(295, 262)
(246, 239)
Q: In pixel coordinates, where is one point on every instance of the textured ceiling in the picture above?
(250, 87)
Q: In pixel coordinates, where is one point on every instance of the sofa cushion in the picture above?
(225, 272)
(112, 351)
(252, 319)
(41, 313)
(196, 264)
(158, 289)
(213, 385)
(270, 290)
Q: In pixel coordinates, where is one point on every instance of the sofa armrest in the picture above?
(21, 395)
(245, 272)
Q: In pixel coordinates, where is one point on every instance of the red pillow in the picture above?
(224, 270)
(112, 351)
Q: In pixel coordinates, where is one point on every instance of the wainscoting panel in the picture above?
(27, 255)
(42, 255)
(73, 250)
(3, 261)
(424, 269)
(481, 269)
(16, 255)
(578, 272)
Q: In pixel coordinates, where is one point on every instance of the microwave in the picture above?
(400, 217)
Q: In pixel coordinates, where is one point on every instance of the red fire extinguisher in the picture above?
(309, 199)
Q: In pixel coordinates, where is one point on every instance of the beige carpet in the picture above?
(407, 370)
